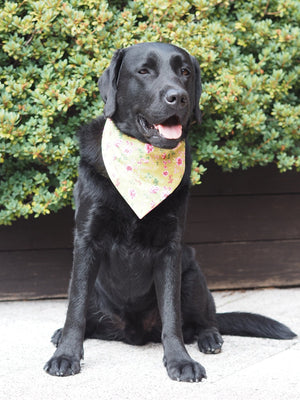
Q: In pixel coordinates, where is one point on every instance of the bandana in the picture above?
(143, 174)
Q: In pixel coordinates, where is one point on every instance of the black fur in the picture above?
(134, 280)
(248, 324)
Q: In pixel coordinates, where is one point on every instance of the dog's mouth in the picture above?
(170, 128)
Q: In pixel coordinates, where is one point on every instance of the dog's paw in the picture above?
(55, 339)
(62, 366)
(210, 341)
(185, 370)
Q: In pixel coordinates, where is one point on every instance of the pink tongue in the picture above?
(169, 132)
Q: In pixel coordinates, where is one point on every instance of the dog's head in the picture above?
(152, 92)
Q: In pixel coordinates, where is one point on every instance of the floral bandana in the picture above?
(143, 174)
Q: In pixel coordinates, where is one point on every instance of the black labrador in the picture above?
(133, 279)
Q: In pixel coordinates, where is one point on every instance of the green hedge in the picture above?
(52, 53)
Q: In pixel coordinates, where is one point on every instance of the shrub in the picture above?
(52, 53)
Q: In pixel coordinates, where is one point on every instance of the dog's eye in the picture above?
(143, 71)
(185, 72)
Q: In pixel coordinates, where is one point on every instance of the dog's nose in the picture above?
(176, 97)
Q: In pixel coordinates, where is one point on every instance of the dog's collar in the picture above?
(143, 174)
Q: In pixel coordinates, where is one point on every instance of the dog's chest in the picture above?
(133, 236)
(132, 248)
(126, 270)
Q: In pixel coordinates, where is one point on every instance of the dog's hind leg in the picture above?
(198, 307)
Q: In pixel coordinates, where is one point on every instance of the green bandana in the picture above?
(143, 174)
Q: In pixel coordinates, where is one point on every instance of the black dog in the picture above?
(133, 279)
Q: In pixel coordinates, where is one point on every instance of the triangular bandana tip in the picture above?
(143, 174)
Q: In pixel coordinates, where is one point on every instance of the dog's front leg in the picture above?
(66, 359)
(180, 366)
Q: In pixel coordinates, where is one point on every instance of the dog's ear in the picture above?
(198, 89)
(108, 81)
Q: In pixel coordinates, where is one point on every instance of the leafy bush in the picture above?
(52, 53)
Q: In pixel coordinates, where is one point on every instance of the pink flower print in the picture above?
(149, 148)
(132, 193)
(154, 189)
(129, 168)
(127, 150)
(163, 156)
(166, 162)
(165, 173)
(179, 161)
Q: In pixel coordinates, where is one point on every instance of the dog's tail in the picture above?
(248, 324)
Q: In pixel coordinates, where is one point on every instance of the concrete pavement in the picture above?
(247, 368)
